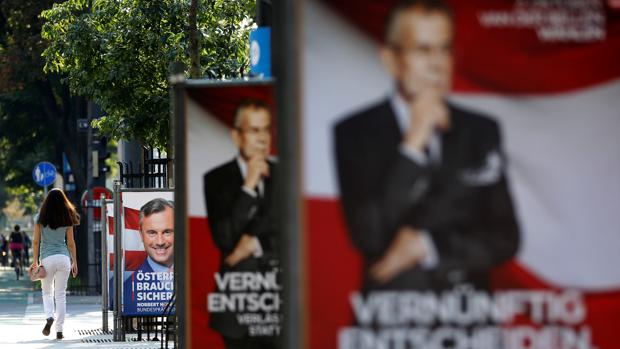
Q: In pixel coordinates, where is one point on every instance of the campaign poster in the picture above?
(231, 168)
(148, 242)
(110, 252)
(460, 166)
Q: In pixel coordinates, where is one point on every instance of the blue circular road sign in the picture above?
(44, 173)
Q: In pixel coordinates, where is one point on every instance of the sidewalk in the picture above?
(22, 319)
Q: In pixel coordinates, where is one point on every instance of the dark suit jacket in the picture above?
(466, 210)
(129, 305)
(231, 213)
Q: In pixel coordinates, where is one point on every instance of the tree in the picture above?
(22, 200)
(37, 113)
(117, 53)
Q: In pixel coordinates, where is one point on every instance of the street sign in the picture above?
(94, 200)
(83, 125)
(44, 173)
(67, 174)
(260, 52)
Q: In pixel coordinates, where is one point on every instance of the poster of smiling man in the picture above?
(148, 243)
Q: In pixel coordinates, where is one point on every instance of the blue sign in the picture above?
(44, 173)
(83, 125)
(260, 52)
(66, 168)
(147, 292)
(67, 174)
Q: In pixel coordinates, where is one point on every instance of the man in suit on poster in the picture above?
(422, 181)
(157, 234)
(242, 214)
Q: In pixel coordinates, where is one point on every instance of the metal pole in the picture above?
(45, 192)
(91, 259)
(119, 332)
(286, 34)
(181, 257)
(104, 264)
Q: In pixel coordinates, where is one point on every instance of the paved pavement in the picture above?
(22, 319)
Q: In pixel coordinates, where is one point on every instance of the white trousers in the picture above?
(58, 267)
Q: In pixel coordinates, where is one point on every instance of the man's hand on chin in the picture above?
(405, 252)
(245, 248)
(428, 113)
(257, 168)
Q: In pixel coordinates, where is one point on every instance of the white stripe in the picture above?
(564, 165)
(210, 145)
(342, 73)
(110, 243)
(135, 200)
(132, 240)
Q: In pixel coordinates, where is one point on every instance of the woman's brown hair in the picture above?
(57, 211)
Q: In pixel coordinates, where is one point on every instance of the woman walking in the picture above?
(53, 231)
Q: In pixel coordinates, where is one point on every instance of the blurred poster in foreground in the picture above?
(232, 215)
(461, 165)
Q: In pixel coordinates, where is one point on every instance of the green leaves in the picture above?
(27, 132)
(118, 54)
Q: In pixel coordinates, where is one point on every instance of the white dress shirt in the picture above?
(403, 117)
(243, 167)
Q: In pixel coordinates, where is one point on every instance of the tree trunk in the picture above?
(194, 45)
(64, 115)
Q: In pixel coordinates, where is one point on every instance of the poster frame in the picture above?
(289, 203)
